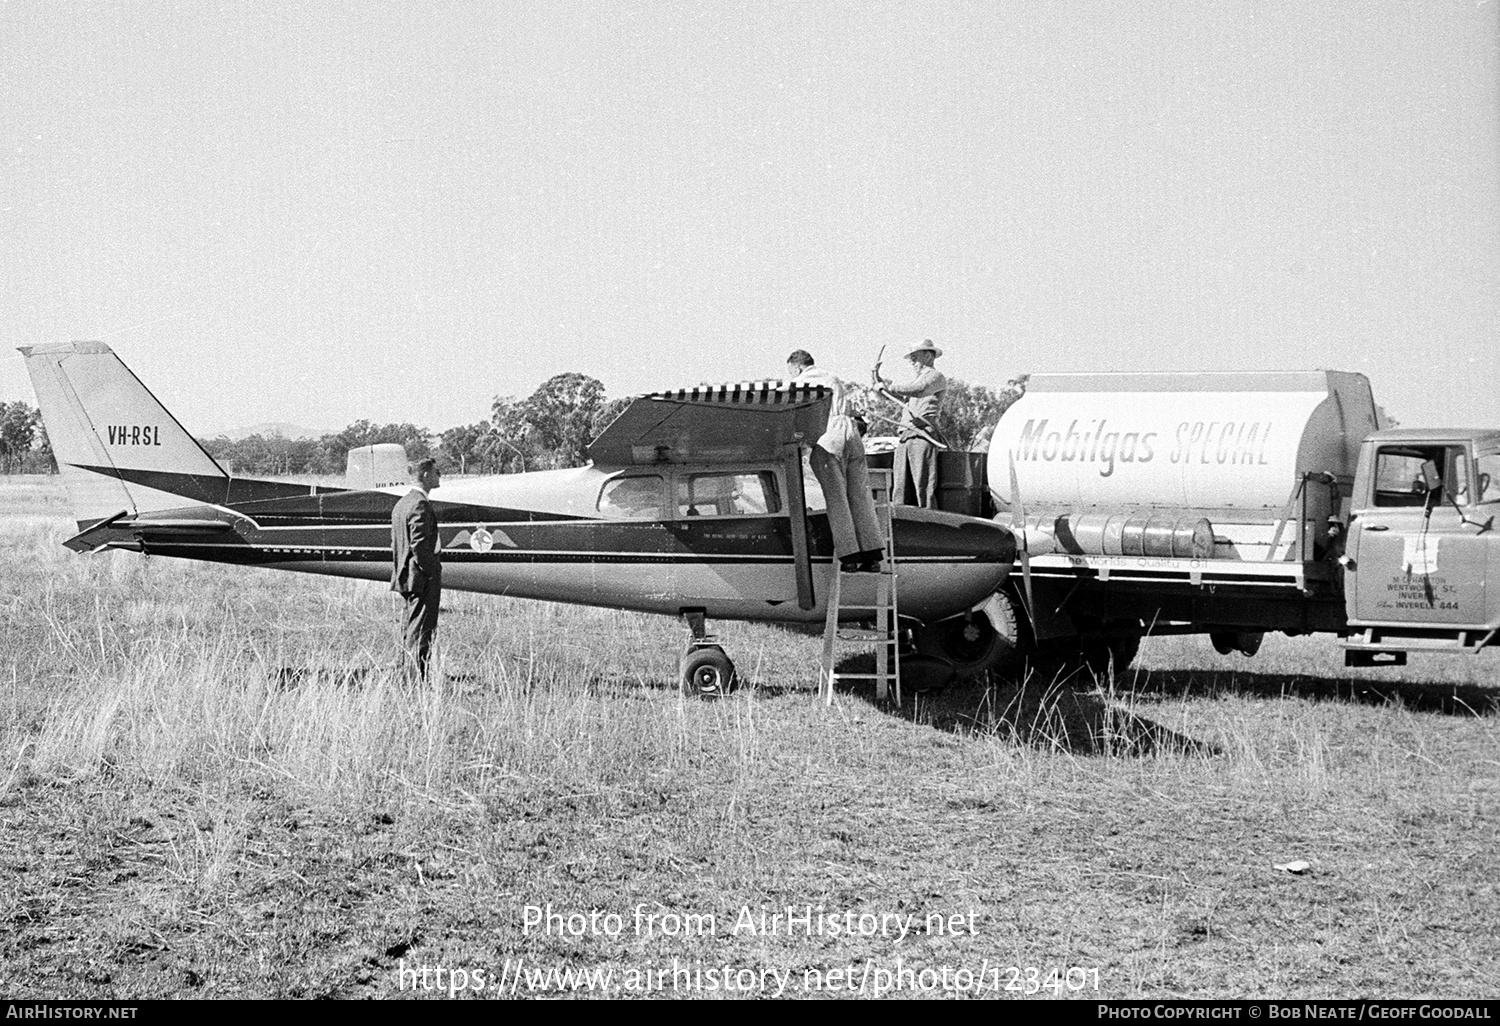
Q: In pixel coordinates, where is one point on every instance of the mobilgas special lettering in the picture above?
(134, 434)
(1094, 442)
(1225, 442)
(1105, 445)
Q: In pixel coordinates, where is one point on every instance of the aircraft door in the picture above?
(1419, 557)
(734, 539)
(634, 508)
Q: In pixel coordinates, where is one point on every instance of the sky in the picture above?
(316, 212)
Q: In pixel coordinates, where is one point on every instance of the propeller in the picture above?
(1019, 529)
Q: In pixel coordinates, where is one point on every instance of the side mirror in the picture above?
(1432, 478)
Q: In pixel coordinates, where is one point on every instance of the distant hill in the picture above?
(283, 430)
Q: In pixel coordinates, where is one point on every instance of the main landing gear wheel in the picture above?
(985, 639)
(706, 673)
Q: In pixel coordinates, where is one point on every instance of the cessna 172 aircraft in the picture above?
(694, 505)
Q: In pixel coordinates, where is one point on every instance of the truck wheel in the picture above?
(1100, 655)
(1246, 643)
(706, 673)
(986, 639)
(925, 673)
(1125, 650)
(1102, 645)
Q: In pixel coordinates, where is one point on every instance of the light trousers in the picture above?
(838, 462)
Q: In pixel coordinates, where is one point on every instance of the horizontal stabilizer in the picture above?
(122, 524)
(178, 526)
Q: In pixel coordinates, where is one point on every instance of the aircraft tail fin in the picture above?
(117, 447)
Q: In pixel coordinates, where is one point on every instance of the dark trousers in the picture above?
(421, 626)
(917, 473)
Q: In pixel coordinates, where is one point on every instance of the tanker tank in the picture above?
(1225, 465)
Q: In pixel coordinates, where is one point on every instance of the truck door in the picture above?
(1416, 559)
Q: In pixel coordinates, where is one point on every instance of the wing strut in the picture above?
(797, 503)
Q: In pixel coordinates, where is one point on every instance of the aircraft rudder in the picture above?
(117, 447)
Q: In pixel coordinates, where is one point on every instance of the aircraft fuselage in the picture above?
(713, 539)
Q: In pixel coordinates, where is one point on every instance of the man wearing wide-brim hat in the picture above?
(921, 400)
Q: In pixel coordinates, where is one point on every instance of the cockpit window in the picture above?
(634, 498)
(728, 495)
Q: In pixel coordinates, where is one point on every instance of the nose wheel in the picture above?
(704, 671)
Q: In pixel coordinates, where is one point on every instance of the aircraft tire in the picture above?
(706, 673)
(986, 639)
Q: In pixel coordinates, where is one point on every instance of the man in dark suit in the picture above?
(416, 572)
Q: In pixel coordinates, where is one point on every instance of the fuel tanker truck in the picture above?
(1226, 504)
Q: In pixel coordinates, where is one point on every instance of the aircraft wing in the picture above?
(715, 424)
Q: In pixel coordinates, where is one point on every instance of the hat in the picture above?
(917, 347)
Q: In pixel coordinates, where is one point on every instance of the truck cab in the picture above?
(1421, 544)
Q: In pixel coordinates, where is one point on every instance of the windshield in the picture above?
(1402, 473)
(634, 498)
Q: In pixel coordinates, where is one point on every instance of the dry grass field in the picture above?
(211, 786)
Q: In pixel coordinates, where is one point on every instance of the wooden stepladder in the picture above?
(885, 630)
